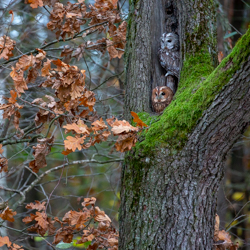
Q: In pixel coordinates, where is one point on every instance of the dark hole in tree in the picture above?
(169, 9)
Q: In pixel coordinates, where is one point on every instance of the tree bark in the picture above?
(170, 179)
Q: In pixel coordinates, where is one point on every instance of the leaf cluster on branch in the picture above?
(68, 105)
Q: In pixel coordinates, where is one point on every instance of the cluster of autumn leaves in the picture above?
(222, 239)
(81, 222)
(70, 105)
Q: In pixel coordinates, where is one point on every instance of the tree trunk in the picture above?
(170, 179)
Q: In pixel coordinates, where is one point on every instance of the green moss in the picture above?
(198, 86)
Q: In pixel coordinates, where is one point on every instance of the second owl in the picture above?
(161, 98)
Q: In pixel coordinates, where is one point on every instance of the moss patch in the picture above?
(198, 86)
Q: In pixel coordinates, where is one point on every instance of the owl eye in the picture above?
(155, 93)
(162, 93)
(169, 41)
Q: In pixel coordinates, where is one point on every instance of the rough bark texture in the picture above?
(170, 180)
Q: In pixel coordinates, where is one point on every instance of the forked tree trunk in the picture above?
(171, 178)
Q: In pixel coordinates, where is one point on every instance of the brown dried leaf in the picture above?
(122, 127)
(225, 236)
(216, 227)
(19, 81)
(67, 152)
(126, 142)
(77, 218)
(8, 214)
(37, 205)
(34, 3)
(100, 216)
(6, 47)
(65, 234)
(98, 125)
(13, 97)
(73, 143)
(5, 241)
(29, 219)
(113, 242)
(16, 247)
(137, 120)
(3, 165)
(79, 128)
(41, 150)
(46, 68)
(1, 148)
(25, 62)
(41, 219)
(88, 100)
(41, 55)
(89, 201)
(17, 116)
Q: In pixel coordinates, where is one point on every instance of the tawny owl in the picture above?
(161, 98)
(169, 54)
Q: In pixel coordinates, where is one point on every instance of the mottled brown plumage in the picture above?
(169, 54)
(161, 98)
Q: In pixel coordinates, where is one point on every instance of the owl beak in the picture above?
(159, 97)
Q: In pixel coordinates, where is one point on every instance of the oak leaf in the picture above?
(113, 241)
(73, 143)
(3, 164)
(13, 97)
(19, 81)
(77, 218)
(41, 55)
(41, 219)
(29, 219)
(6, 47)
(25, 62)
(89, 201)
(126, 142)
(120, 127)
(67, 152)
(5, 241)
(41, 150)
(16, 247)
(65, 234)
(79, 128)
(137, 120)
(99, 125)
(1, 148)
(100, 216)
(88, 100)
(37, 205)
(225, 236)
(46, 68)
(34, 3)
(8, 214)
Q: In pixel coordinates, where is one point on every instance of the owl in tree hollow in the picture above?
(169, 54)
(161, 98)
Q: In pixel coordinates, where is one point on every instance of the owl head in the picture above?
(161, 98)
(170, 41)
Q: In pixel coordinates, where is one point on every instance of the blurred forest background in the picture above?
(96, 171)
